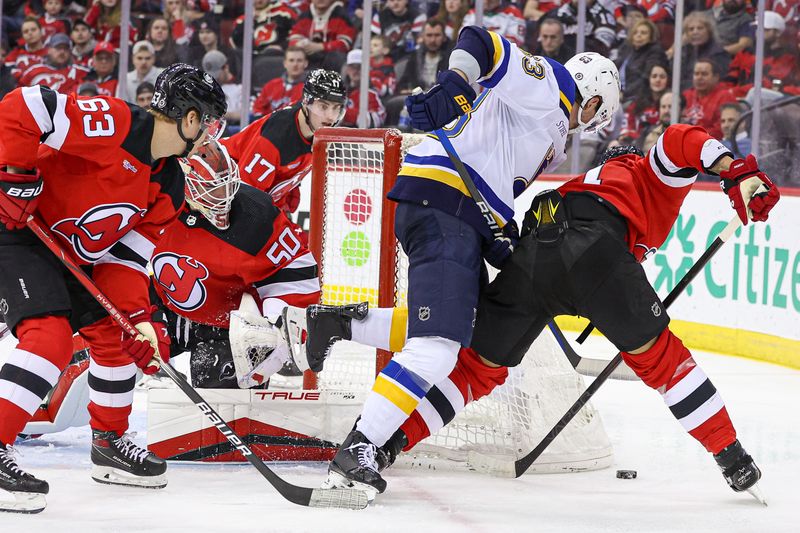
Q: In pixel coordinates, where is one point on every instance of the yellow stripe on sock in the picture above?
(400, 398)
(397, 332)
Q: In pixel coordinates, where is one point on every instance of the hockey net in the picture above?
(360, 260)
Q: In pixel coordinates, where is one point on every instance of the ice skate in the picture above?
(28, 492)
(740, 471)
(119, 461)
(356, 466)
(328, 324)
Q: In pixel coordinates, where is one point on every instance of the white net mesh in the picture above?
(490, 433)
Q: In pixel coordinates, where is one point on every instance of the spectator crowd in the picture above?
(73, 47)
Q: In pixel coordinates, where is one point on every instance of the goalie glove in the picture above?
(741, 182)
(151, 347)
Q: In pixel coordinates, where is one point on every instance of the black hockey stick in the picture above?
(340, 498)
(473, 190)
(521, 465)
(588, 366)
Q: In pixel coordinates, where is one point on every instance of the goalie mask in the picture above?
(595, 75)
(212, 180)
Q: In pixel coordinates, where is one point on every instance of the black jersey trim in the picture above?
(168, 174)
(685, 172)
(288, 275)
(251, 220)
(137, 142)
(124, 253)
(50, 101)
(282, 131)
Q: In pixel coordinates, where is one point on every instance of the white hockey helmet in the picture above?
(212, 180)
(595, 75)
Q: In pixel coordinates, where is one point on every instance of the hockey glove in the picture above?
(19, 194)
(451, 97)
(498, 251)
(740, 182)
(151, 344)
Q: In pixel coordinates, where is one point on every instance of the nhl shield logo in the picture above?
(656, 309)
(3, 307)
(424, 313)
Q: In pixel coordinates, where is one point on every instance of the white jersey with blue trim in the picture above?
(516, 129)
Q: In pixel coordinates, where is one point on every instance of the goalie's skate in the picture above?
(740, 471)
(356, 466)
(327, 324)
(119, 461)
(27, 491)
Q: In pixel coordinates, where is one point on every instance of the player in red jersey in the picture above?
(103, 176)
(580, 254)
(228, 242)
(274, 152)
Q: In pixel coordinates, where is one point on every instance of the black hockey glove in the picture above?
(451, 97)
(19, 194)
(498, 251)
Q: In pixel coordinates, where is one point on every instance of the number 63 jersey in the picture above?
(103, 197)
(201, 272)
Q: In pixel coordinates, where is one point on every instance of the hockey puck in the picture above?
(626, 474)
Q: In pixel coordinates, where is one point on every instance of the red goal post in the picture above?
(346, 142)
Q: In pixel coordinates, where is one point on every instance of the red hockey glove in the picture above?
(740, 183)
(19, 194)
(152, 343)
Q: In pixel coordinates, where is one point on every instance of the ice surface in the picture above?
(678, 487)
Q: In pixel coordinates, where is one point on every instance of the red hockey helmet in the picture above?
(212, 180)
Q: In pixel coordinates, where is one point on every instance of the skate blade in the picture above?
(24, 502)
(114, 476)
(338, 481)
(756, 492)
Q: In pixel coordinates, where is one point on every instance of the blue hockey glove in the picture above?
(498, 251)
(451, 97)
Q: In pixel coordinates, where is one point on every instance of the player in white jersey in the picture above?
(505, 137)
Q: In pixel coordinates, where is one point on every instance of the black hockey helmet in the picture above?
(181, 87)
(324, 84)
(618, 151)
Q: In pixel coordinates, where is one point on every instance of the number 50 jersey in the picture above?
(201, 272)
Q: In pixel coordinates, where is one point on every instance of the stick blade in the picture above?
(339, 498)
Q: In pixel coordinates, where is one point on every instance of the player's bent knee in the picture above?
(656, 365)
(649, 344)
(49, 337)
(431, 358)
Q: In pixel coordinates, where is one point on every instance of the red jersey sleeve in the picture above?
(39, 115)
(284, 271)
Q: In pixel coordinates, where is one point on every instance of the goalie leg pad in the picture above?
(689, 394)
(470, 380)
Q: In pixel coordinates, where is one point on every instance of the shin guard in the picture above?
(693, 400)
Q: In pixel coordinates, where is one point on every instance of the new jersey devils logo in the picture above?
(94, 233)
(181, 277)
